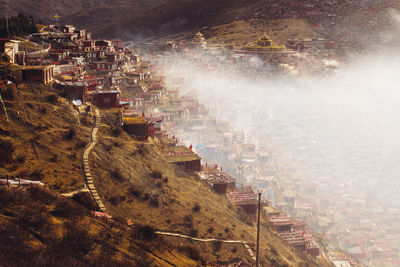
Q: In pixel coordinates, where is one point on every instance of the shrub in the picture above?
(66, 208)
(38, 193)
(37, 174)
(52, 99)
(13, 243)
(70, 134)
(76, 242)
(188, 221)
(143, 261)
(249, 223)
(196, 208)
(6, 196)
(117, 175)
(144, 232)
(135, 192)
(165, 180)
(33, 218)
(191, 252)
(114, 200)
(273, 250)
(156, 174)
(210, 230)
(141, 149)
(84, 199)
(194, 233)
(154, 201)
(80, 144)
(85, 121)
(119, 219)
(216, 246)
(11, 92)
(21, 158)
(116, 132)
(117, 144)
(6, 151)
(146, 197)
(4, 132)
(54, 158)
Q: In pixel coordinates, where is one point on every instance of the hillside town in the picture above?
(323, 220)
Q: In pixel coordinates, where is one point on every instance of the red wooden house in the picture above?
(245, 198)
(106, 99)
(154, 126)
(136, 127)
(73, 90)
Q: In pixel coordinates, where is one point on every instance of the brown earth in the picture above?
(136, 183)
(44, 141)
(47, 136)
(55, 231)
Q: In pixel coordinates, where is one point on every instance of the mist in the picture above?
(339, 131)
(352, 115)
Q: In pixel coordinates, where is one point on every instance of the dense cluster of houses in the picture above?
(228, 155)
(294, 231)
(336, 192)
(115, 79)
(215, 141)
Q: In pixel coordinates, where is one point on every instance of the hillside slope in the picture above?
(44, 138)
(130, 19)
(138, 184)
(43, 141)
(350, 22)
(55, 231)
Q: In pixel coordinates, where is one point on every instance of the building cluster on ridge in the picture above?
(113, 77)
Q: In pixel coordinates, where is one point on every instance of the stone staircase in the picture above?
(85, 159)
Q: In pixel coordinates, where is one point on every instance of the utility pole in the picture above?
(240, 167)
(8, 28)
(258, 227)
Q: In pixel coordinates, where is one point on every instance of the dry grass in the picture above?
(46, 233)
(183, 204)
(133, 181)
(47, 137)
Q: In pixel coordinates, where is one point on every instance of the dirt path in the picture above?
(244, 243)
(72, 193)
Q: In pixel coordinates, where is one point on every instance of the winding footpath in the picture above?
(85, 159)
(245, 244)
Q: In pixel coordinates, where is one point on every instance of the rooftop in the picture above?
(133, 120)
(181, 154)
(242, 196)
